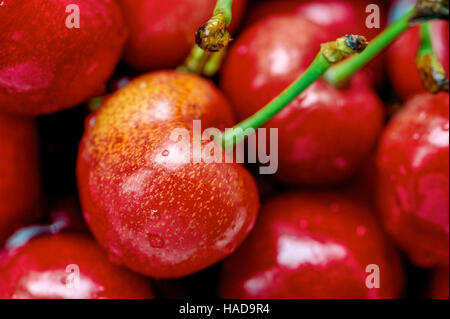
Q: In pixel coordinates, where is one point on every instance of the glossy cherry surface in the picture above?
(313, 245)
(401, 58)
(338, 17)
(413, 186)
(19, 173)
(321, 136)
(66, 266)
(46, 66)
(147, 203)
(162, 32)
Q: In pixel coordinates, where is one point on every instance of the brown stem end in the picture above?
(343, 47)
(430, 9)
(433, 74)
(213, 35)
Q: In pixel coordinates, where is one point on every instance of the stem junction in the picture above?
(213, 36)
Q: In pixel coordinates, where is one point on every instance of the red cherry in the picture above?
(401, 58)
(43, 268)
(162, 32)
(156, 215)
(19, 173)
(338, 17)
(413, 186)
(313, 245)
(326, 133)
(439, 284)
(44, 65)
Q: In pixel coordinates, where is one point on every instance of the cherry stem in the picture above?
(213, 35)
(430, 9)
(430, 69)
(330, 53)
(340, 73)
(60, 221)
(202, 62)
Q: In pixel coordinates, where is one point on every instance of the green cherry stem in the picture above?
(213, 35)
(426, 44)
(430, 69)
(329, 54)
(341, 72)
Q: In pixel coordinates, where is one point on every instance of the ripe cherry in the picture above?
(49, 266)
(338, 17)
(162, 32)
(439, 284)
(313, 245)
(413, 186)
(401, 58)
(321, 136)
(19, 173)
(146, 202)
(46, 66)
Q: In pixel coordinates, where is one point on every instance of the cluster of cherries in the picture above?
(354, 190)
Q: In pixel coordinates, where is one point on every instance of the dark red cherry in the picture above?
(326, 133)
(46, 66)
(413, 172)
(401, 57)
(314, 245)
(162, 32)
(19, 173)
(146, 202)
(66, 266)
(438, 288)
(338, 17)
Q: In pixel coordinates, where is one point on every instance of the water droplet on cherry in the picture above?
(360, 231)
(155, 215)
(156, 241)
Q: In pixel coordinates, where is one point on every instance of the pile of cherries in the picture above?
(359, 206)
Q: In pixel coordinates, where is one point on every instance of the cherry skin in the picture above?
(162, 32)
(439, 284)
(39, 270)
(19, 173)
(413, 179)
(401, 58)
(46, 66)
(312, 245)
(321, 139)
(146, 202)
(338, 17)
